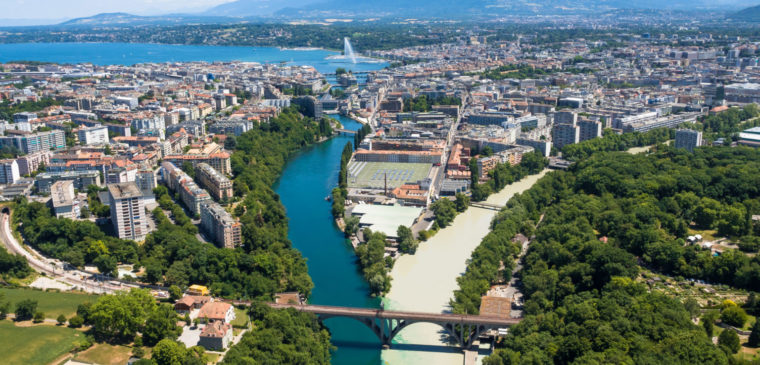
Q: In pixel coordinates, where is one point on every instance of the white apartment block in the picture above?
(9, 172)
(96, 135)
(128, 211)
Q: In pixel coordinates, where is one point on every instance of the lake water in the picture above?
(132, 53)
(307, 179)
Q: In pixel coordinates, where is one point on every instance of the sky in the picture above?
(67, 9)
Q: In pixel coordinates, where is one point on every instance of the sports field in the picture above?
(372, 174)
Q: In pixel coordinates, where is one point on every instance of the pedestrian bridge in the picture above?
(347, 131)
(464, 329)
(485, 205)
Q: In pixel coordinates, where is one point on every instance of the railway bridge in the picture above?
(464, 329)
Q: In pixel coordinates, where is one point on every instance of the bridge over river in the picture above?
(464, 329)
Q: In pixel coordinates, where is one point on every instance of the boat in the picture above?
(328, 198)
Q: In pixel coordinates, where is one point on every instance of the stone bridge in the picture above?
(464, 329)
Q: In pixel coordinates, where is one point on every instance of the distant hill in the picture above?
(125, 19)
(751, 14)
(244, 8)
(457, 8)
(258, 10)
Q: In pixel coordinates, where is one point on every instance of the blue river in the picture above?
(133, 53)
(308, 178)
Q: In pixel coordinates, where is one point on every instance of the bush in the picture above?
(734, 316)
(39, 317)
(76, 321)
(61, 319)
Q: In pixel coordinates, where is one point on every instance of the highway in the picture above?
(82, 280)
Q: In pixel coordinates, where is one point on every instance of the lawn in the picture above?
(105, 354)
(51, 303)
(37, 344)
(241, 318)
(212, 358)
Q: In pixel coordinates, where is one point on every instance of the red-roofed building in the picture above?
(217, 311)
(216, 336)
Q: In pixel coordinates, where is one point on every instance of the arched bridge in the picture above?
(464, 329)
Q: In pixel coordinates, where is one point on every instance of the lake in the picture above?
(133, 53)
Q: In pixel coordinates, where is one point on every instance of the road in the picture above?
(82, 280)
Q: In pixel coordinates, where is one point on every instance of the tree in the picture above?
(188, 168)
(76, 321)
(174, 293)
(61, 319)
(4, 308)
(352, 225)
(754, 336)
(407, 243)
(474, 171)
(462, 202)
(230, 143)
(160, 324)
(692, 306)
(25, 309)
(729, 340)
(39, 317)
(444, 212)
(169, 352)
(119, 317)
(106, 265)
(733, 315)
(708, 325)
(107, 150)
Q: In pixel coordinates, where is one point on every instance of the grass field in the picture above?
(105, 354)
(241, 318)
(35, 345)
(51, 303)
(372, 174)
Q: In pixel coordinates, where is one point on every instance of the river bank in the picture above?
(426, 281)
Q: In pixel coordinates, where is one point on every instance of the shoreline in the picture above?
(426, 281)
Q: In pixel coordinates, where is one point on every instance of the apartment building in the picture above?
(565, 134)
(688, 139)
(218, 185)
(34, 142)
(62, 199)
(128, 211)
(9, 173)
(220, 226)
(30, 163)
(589, 129)
(97, 135)
(220, 161)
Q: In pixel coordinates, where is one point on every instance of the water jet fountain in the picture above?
(348, 51)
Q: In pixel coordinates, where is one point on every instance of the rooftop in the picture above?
(386, 218)
(124, 190)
